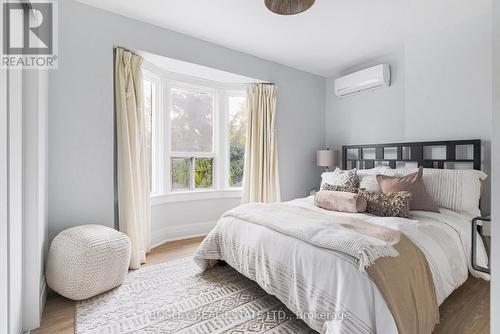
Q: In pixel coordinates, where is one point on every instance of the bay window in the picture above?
(198, 130)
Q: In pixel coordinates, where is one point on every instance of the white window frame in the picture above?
(156, 131)
(162, 191)
(225, 125)
(170, 154)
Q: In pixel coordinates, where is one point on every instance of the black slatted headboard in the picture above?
(410, 152)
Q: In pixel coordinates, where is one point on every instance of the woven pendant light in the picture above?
(288, 7)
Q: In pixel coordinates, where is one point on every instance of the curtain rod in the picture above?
(267, 83)
(260, 83)
(126, 49)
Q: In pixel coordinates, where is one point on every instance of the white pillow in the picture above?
(369, 182)
(376, 170)
(330, 177)
(455, 189)
(368, 178)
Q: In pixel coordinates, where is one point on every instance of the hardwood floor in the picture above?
(59, 313)
(466, 311)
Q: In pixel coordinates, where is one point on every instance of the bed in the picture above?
(327, 288)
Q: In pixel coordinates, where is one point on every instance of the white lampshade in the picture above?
(327, 158)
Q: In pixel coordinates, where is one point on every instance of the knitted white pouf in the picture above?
(87, 260)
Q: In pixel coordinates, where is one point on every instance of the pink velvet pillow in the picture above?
(340, 201)
(412, 183)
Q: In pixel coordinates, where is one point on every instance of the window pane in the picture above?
(237, 135)
(181, 173)
(148, 87)
(191, 121)
(203, 171)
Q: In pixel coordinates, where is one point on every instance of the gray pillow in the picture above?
(348, 178)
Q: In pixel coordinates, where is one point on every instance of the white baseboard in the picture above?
(179, 232)
(42, 300)
(43, 295)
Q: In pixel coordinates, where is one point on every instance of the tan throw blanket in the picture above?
(407, 286)
(398, 267)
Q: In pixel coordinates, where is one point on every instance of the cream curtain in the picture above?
(134, 209)
(260, 176)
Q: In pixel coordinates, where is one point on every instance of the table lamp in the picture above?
(327, 158)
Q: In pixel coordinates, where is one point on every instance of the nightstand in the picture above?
(478, 227)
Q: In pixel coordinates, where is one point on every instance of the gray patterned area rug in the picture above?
(174, 297)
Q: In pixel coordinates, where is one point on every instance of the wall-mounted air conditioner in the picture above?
(372, 78)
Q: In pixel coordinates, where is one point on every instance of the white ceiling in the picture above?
(331, 35)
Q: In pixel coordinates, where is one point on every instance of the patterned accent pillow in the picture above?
(396, 204)
(348, 178)
(333, 187)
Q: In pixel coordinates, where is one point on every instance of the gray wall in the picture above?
(182, 220)
(440, 90)
(81, 113)
(369, 117)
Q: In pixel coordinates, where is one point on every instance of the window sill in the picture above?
(189, 196)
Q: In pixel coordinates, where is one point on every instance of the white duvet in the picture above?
(325, 287)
